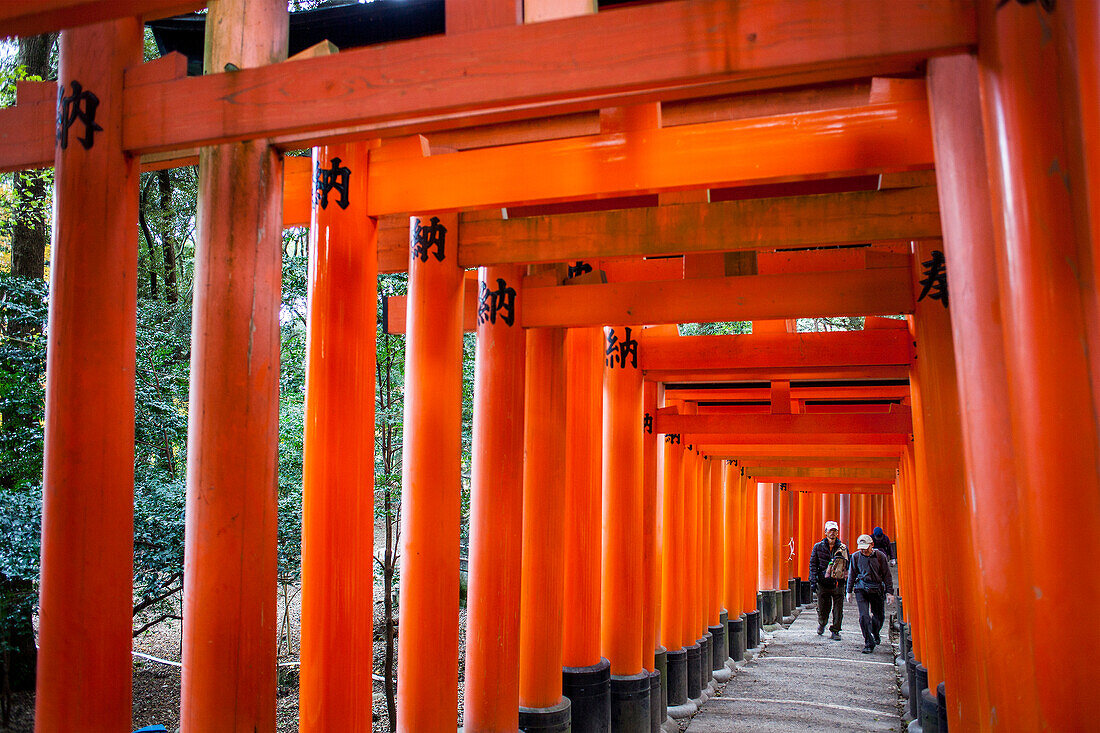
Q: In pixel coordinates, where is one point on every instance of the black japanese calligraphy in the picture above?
(425, 238)
(618, 351)
(647, 423)
(328, 179)
(80, 105)
(934, 282)
(491, 302)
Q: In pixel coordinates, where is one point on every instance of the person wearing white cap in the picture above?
(828, 568)
(870, 577)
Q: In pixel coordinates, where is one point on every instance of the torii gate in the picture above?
(999, 381)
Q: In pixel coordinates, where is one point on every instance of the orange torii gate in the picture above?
(1012, 87)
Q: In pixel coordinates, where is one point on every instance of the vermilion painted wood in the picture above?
(786, 515)
(667, 50)
(621, 573)
(846, 490)
(733, 545)
(762, 351)
(939, 435)
(672, 546)
(22, 18)
(229, 616)
(892, 373)
(897, 421)
(1047, 285)
(767, 451)
(583, 496)
(715, 544)
(543, 520)
(722, 299)
(876, 138)
(338, 462)
(427, 681)
(815, 462)
(651, 559)
(869, 475)
(750, 584)
(84, 660)
(689, 629)
(491, 693)
(684, 227)
(710, 393)
(999, 509)
(766, 513)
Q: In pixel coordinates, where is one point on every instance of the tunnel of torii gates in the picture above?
(637, 497)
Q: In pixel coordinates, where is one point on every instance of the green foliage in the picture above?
(22, 380)
(714, 329)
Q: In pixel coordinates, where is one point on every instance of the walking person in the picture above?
(882, 542)
(828, 569)
(869, 576)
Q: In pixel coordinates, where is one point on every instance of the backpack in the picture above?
(838, 567)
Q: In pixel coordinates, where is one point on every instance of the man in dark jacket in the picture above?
(882, 542)
(830, 594)
(869, 576)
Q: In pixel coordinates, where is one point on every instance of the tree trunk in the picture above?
(168, 242)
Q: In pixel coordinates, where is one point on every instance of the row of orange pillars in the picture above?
(613, 573)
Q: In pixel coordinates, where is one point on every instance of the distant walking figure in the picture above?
(870, 577)
(828, 569)
(882, 542)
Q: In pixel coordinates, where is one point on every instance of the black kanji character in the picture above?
(328, 179)
(80, 106)
(502, 300)
(647, 423)
(581, 268)
(617, 351)
(427, 237)
(934, 283)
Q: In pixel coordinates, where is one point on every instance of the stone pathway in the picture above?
(805, 682)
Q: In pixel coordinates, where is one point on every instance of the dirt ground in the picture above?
(156, 686)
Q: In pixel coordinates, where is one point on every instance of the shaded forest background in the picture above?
(166, 240)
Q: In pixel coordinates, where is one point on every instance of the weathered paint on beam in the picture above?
(664, 51)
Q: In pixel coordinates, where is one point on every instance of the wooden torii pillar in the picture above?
(491, 694)
(622, 571)
(427, 680)
(586, 677)
(338, 449)
(230, 550)
(84, 665)
(1037, 75)
(673, 576)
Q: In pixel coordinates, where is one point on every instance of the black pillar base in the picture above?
(752, 629)
(720, 650)
(807, 592)
(660, 663)
(630, 702)
(554, 719)
(693, 664)
(914, 691)
(768, 609)
(920, 677)
(706, 649)
(786, 603)
(941, 706)
(929, 712)
(589, 692)
(737, 638)
(796, 593)
(656, 708)
(677, 683)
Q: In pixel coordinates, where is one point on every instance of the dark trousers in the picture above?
(872, 613)
(830, 599)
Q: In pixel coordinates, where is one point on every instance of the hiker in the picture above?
(869, 576)
(882, 542)
(828, 569)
